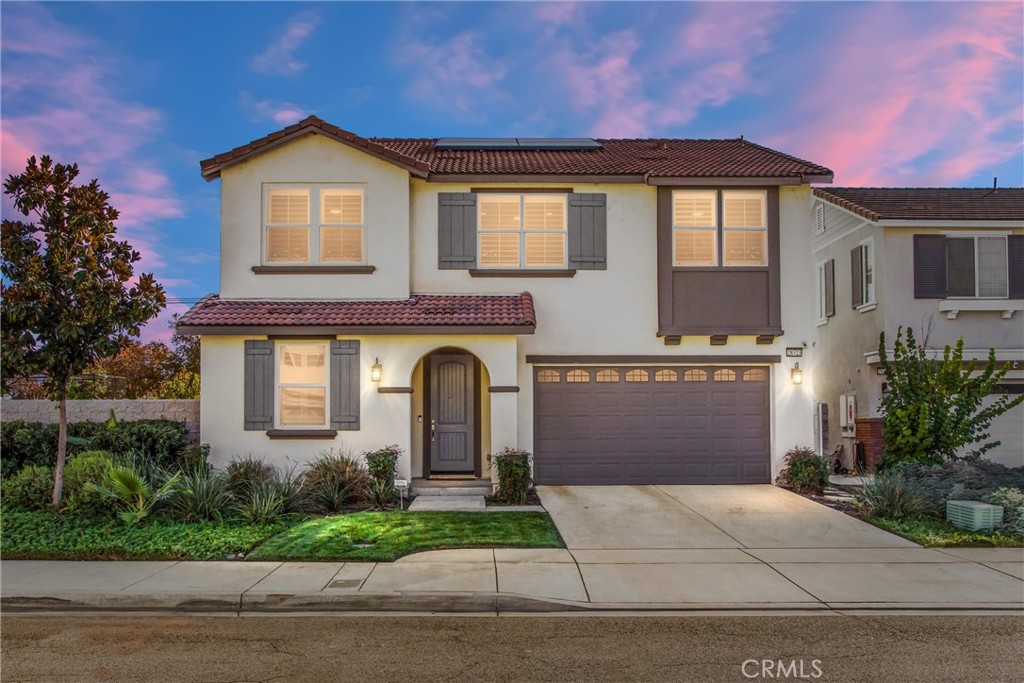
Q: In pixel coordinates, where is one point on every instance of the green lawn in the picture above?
(371, 536)
(939, 534)
(49, 536)
(386, 536)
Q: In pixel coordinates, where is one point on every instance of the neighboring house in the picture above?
(621, 308)
(947, 262)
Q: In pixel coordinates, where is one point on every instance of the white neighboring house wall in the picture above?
(606, 312)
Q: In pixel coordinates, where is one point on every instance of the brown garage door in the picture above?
(651, 425)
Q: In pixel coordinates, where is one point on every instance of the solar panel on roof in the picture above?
(567, 144)
(559, 143)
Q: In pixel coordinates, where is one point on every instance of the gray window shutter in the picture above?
(857, 275)
(456, 230)
(1015, 262)
(830, 288)
(259, 384)
(588, 227)
(929, 267)
(345, 385)
(960, 267)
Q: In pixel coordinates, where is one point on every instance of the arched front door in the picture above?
(452, 432)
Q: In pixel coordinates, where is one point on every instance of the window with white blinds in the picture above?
(315, 224)
(720, 228)
(976, 267)
(302, 384)
(522, 230)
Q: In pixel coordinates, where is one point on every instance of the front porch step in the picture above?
(450, 487)
(448, 503)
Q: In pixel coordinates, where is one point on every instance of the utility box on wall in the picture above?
(848, 415)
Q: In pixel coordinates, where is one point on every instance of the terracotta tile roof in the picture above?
(928, 203)
(445, 310)
(655, 158)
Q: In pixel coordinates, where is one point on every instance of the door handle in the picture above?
(433, 430)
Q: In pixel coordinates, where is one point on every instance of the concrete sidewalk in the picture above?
(543, 580)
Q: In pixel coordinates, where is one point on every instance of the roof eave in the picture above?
(334, 330)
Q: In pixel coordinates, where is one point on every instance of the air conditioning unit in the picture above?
(972, 515)
(848, 414)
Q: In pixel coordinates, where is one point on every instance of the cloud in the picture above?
(559, 13)
(277, 59)
(915, 95)
(60, 99)
(284, 113)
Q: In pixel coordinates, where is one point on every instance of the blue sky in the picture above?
(137, 93)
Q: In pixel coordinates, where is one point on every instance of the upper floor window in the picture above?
(314, 224)
(976, 267)
(720, 228)
(522, 231)
(862, 273)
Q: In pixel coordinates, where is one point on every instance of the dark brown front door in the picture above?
(452, 437)
(652, 425)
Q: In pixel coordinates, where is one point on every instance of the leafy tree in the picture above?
(186, 347)
(69, 287)
(932, 409)
(136, 371)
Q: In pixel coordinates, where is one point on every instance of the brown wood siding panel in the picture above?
(929, 267)
(692, 432)
(344, 388)
(856, 276)
(738, 301)
(1015, 259)
(456, 230)
(258, 385)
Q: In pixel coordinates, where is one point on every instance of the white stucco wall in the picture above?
(315, 159)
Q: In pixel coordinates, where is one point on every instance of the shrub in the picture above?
(245, 473)
(935, 409)
(131, 494)
(382, 465)
(515, 476)
(195, 455)
(29, 489)
(805, 471)
(202, 495)
(335, 479)
(90, 466)
(891, 496)
(262, 503)
(1012, 500)
(958, 480)
(294, 494)
(381, 493)
(23, 443)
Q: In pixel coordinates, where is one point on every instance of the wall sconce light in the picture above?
(796, 374)
(376, 370)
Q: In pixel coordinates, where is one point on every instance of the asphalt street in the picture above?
(591, 649)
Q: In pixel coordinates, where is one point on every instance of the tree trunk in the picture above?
(62, 449)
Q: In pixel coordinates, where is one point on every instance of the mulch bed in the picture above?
(531, 499)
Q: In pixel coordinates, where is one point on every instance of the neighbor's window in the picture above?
(314, 224)
(522, 230)
(976, 267)
(867, 272)
(735, 236)
(302, 384)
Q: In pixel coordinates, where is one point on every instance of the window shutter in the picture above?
(259, 384)
(857, 275)
(345, 385)
(456, 230)
(588, 239)
(929, 267)
(1015, 263)
(830, 288)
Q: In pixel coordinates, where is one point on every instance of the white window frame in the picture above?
(316, 221)
(522, 232)
(820, 313)
(278, 385)
(867, 274)
(720, 228)
(977, 270)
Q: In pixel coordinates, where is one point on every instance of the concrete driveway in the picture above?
(683, 517)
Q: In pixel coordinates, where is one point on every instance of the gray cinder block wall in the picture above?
(99, 411)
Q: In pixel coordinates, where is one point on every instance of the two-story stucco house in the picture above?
(621, 308)
(947, 262)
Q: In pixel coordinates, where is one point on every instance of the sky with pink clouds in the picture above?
(901, 94)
